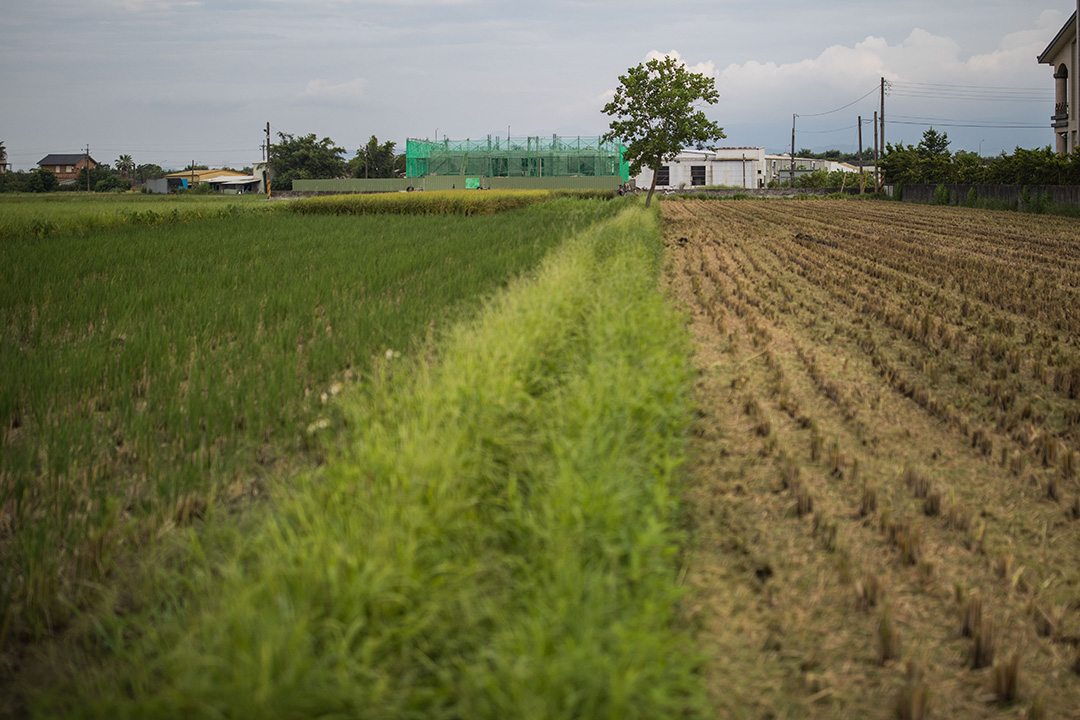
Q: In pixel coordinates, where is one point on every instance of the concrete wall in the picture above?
(771, 193)
(1011, 194)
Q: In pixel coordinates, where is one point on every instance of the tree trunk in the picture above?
(652, 185)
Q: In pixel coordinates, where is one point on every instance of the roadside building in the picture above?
(1061, 55)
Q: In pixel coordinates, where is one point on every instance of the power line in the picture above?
(1012, 126)
(827, 132)
(845, 107)
(982, 93)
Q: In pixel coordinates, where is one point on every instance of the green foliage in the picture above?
(125, 166)
(826, 179)
(931, 163)
(41, 181)
(934, 144)
(376, 160)
(654, 114)
(942, 195)
(496, 539)
(305, 158)
(148, 171)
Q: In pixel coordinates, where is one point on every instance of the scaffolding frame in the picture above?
(531, 156)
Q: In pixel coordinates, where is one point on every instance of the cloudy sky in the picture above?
(171, 81)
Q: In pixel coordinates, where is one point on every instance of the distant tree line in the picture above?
(931, 162)
(294, 157)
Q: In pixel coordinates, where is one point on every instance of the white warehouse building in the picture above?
(741, 167)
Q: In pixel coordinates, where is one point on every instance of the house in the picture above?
(235, 184)
(1061, 55)
(740, 167)
(66, 167)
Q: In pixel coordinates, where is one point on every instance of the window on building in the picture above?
(697, 175)
(663, 177)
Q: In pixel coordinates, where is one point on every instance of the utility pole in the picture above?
(86, 164)
(877, 152)
(862, 181)
(266, 170)
(793, 116)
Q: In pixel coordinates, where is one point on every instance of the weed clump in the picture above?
(1007, 679)
(913, 699)
(869, 592)
(869, 501)
(982, 654)
(971, 610)
(889, 643)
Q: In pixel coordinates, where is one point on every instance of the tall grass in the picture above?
(495, 540)
(150, 372)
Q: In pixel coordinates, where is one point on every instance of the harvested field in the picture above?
(885, 489)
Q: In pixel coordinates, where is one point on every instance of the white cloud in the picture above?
(320, 90)
(841, 73)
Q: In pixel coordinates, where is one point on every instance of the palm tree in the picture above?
(125, 165)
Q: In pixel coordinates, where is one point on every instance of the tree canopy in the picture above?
(655, 114)
(376, 160)
(125, 166)
(305, 158)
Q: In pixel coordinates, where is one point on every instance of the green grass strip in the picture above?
(497, 540)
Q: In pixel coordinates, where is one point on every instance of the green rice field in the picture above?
(151, 371)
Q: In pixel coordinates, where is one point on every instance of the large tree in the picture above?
(656, 114)
(376, 160)
(305, 158)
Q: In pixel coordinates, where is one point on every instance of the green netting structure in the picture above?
(532, 157)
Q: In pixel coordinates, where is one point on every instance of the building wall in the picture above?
(69, 172)
(728, 167)
(1067, 57)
